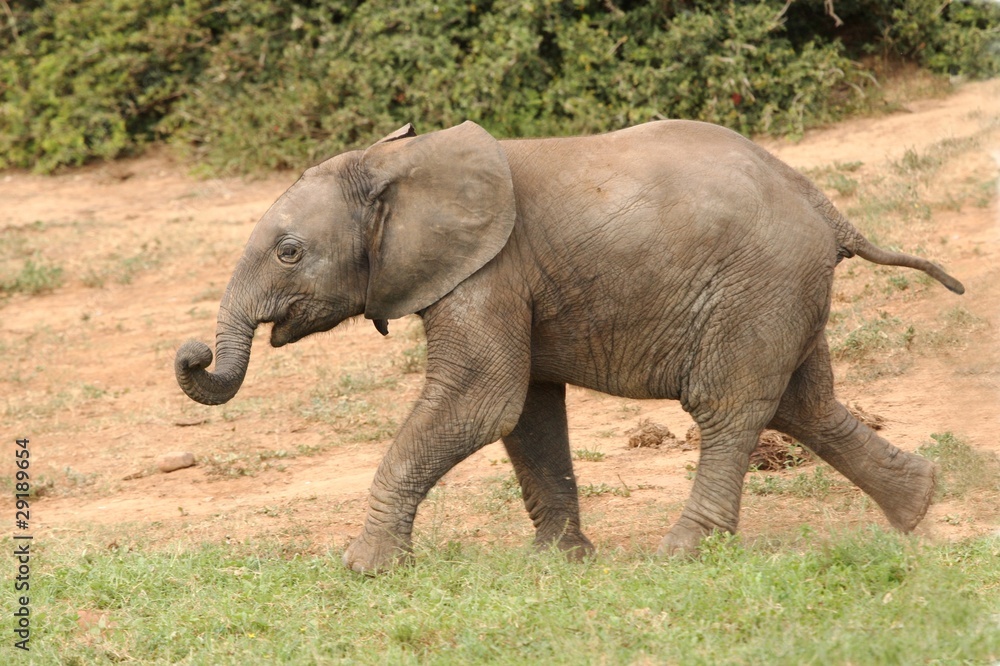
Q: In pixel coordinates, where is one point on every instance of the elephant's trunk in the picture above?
(233, 338)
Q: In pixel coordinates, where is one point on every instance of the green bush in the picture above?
(519, 70)
(253, 84)
(92, 80)
(958, 37)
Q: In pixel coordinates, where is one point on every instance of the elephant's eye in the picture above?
(289, 253)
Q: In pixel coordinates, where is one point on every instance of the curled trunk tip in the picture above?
(205, 387)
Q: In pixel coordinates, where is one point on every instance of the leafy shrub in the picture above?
(519, 70)
(93, 79)
(254, 84)
(946, 36)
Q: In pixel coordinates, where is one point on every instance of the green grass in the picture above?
(817, 484)
(589, 455)
(867, 597)
(877, 335)
(598, 489)
(503, 491)
(35, 277)
(962, 468)
(957, 325)
(124, 269)
(235, 464)
(414, 359)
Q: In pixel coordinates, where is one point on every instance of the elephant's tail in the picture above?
(851, 242)
(866, 250)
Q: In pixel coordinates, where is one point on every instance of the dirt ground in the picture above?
(145, 251)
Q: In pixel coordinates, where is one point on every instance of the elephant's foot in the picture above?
(372, 555)
(910, 495)
(684, 538)
(573, 544)
(680, 542)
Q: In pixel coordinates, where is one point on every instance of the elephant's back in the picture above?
(689, 186)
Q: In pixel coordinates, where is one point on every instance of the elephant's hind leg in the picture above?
(901, 483)
(731, 403)
(539, 450)
(727, 440)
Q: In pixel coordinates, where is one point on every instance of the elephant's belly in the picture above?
(639, 366)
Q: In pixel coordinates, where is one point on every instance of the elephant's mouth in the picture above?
(288, 327)
(298, 322)
(282, 333)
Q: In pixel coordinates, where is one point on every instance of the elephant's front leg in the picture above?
(539, 450)
(477, 378)
(445, 427)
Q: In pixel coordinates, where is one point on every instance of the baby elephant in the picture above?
(674, 259)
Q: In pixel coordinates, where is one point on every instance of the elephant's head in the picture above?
(383, 232)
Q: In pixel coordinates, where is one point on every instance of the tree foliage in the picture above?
(252, 84)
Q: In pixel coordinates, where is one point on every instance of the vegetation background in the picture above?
(249, 85)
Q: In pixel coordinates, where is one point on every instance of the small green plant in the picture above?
(93, 279)
(589, 455)
(91, 392)
(238, 464)
(35, 277)
(503, 490)
(897, 283)
(414, 359)
(213, 294)
(309, 449)
(961, 317)
(958, 323)
(963, 468)
(598, 489)
(73, 479)
(760, 483)
(351, 384)
(124, 269)
(875, 335)
(199, 313)
(913, 163)
(849, 167)
(817, 484)
(844, 185)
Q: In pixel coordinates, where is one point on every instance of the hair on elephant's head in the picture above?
(383, 232)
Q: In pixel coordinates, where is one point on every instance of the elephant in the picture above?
(670, 260)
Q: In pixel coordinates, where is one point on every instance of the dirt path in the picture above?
(145, 252)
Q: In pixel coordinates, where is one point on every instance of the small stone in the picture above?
(170, 462)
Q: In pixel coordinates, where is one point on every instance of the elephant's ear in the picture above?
(442, 206)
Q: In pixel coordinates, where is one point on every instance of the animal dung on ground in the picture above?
(873, 421)
(649, 435)
(775, 450)
(171, 462)
(692, 439)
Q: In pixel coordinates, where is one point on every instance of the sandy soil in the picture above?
(146, 250)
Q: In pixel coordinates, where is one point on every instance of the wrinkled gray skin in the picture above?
(671, 260)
